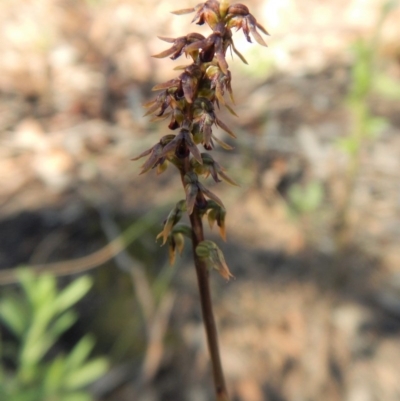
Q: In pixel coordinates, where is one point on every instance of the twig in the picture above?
(133, 267)
(91, 261)
(156, 318)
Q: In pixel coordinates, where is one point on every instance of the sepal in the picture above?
(156, 154)
(217, 213)
(210, 167)
(176, 241)
(196, 190)
(173, 218)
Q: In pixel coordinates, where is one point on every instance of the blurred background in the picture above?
(313, 230)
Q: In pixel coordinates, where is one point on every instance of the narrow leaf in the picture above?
(87, 374)
(14, 315)
(73, 293)
(62, 324)
(80, 353)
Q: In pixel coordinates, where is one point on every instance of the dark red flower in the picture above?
(211, 167)
(211, 47)
(182, 145)
(204, 116)
(157, 156)
(186, 84)
(219, 82)
(179, 45)
(205, 12)
(195, 191)
(239, 17)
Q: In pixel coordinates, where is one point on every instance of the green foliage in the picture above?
(362, 70)
(305, 199)
(365, 78)
(37, 318)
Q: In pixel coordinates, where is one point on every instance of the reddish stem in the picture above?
(207, 309)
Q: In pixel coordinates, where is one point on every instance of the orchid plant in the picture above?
(191, 101)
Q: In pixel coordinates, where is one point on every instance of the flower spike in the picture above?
(190, 103)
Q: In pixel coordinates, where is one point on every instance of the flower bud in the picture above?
(209, 252)
(174, 216)
(217, 213)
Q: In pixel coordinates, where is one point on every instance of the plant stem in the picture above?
(205, 298)
(207, 309)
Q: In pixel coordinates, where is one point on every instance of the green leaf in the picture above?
(26, 278)
(45, 290)
(54, 376)
(306, 199)
(362, 71)
(73, 293)
(39, 339)
(40, 290)
(349, 145)
(87, 374)
(14, 314)
(34, 349)
(80, 352)
(62, 323)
